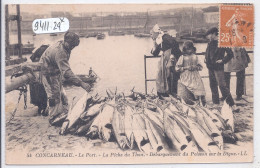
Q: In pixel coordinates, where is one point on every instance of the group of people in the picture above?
(178, 71)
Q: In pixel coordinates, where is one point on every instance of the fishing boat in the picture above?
(116, 33)
(101, 36)
(142, 35)
(92, 34)
(85, 78)
(26, 49)
(81, 35)
(195, 35)
(53, 34)
(146, 32)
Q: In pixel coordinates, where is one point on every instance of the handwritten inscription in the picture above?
(50, 25)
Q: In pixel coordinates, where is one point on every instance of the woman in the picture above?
(167, 77)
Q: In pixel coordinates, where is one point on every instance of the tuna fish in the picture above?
(155, 136)
(119, 130)
(75, 113)
(176, 134)
(155, 117)
(227, 114)
(128, 125)
(140, 135)
(206, 142)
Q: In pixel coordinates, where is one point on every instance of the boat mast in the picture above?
(180, 29)
(191, 21)
(146, 22)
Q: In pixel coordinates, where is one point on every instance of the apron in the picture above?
(163, 72)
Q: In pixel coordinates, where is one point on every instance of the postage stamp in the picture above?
(128, 83)
(236, 26)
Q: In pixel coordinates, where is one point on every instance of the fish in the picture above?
(84, 128)
(155, 117)
(93, 132)
(119, 130)
(175, 134)
(105, 122)
(59, 119)
(74, 113)
(155, 136)
(213, 117)
(94, 110)
(182, 122)
(215, 132)
(140, 135)
(206, 143)
(227, 114)
(172, 107)
(208, 123)
(128, 118)
(179, 118)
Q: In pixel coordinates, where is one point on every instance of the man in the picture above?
(215, 59)
(167, 78)
(237, 64)
(55, 65)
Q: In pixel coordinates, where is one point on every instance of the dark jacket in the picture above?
(214, 53)
(167, 43)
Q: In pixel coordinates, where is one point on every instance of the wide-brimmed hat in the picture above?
(212, 31)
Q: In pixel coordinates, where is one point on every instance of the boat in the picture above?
(146, 32)
(53, 34)
(92, 34)
(195, 35)
(81, 35)
(101, 36)
(26, 49)
(142, 35)
(116, 33)
(85, 78)
(90, 78)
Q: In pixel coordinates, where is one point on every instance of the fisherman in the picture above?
(55, 65)
(215, 59)
(237, 64)
(167, 77)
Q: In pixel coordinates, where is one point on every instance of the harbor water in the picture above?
(119, 61)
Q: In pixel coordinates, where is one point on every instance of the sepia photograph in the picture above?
(128, 83)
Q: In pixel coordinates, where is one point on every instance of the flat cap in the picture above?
(71, 37)
(212, 31)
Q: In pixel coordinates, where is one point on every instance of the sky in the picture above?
(80, 8)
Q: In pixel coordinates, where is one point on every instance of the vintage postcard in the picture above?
(128, 83)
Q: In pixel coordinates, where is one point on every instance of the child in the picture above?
(190, 85)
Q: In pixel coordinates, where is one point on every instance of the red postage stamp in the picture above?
(236, 26)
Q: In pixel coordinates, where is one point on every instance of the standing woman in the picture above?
(167, 78)
(190, 86)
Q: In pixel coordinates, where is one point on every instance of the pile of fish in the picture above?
(147, 123)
